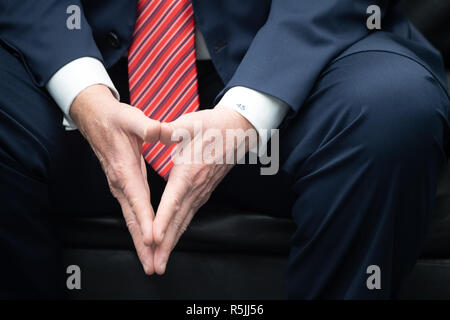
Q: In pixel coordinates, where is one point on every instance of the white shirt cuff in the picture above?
(73, 78)
(263, 111)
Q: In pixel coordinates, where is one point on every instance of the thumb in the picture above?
(135, 121)
(180, 129)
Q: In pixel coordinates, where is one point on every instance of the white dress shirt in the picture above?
(263, 111)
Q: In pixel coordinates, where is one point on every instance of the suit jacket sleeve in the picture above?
(37, 31)
(297, 41)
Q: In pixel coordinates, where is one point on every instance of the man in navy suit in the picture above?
(363, 119)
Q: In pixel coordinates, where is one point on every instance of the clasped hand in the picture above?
(116, 132)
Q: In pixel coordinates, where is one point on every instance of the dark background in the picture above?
(432, 17)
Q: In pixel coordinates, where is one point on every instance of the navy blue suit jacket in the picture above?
(274, 46)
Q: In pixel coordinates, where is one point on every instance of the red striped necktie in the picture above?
(162, 70)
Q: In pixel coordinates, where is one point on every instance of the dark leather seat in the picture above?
(225, 253)
(230, 253)
(438, 242)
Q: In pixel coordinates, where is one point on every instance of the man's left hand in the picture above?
(191, 183)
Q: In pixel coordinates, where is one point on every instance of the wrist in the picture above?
(89, 101)
(240, 121)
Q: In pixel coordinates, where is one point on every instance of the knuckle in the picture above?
(131, 224)
(116, 174)
(176, 204)
(113, 190)
(189, 182)
(178, 223)
(181, 230)
(134, 203)
(200, 174)
(201, 200)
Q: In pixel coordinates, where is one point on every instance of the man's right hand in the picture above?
(116, 132)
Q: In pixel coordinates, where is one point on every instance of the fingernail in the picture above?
(163, 266)
(146, 269)
(162, 235)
